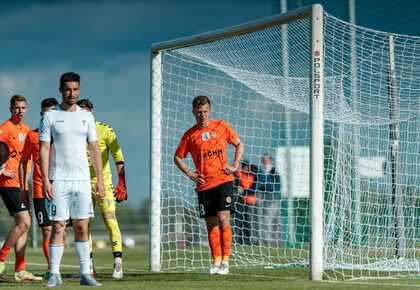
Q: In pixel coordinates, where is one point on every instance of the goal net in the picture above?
(259, 82)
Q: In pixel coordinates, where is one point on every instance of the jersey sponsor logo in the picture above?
(205, 136)
(211, 154)
(21, 137)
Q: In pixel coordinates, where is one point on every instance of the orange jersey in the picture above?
(15, 137)
(31, 151)
(208, 149)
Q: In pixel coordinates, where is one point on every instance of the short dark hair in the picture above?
(17, 98)
(49, 102)
(69, 77)
(4, 152)
(86, 103)
(201, 101)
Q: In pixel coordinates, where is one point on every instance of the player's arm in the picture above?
(120, 192)
(239, 150)
(194, 176)
(4, 132)
(44, 155)
(95, 156)
(23, 164)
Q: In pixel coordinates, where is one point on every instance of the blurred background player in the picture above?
(108, 143)
(207, 141)
(269, 187)
(245, 182)
(31, 152)
(13, 132)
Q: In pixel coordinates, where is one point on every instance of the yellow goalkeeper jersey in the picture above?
(108, 143)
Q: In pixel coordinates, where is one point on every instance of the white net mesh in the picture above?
(372, 203)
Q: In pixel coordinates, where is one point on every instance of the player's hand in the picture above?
(9, 173)
(120, 192)
(229, 169)
(24, 197)
(99, 190)
(47, 189)
(196, 177)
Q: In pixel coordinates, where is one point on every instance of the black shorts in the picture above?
(10, 196)
(41, 213)
(218, 198)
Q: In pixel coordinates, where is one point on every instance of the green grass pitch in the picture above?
(137, 276)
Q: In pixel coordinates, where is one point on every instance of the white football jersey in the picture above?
(68, 133)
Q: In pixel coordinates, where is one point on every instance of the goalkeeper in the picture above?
(108, 143)
(207, 143)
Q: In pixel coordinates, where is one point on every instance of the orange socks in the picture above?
(45, 248)
(226, 241)
(4, 252)
(220, 242)
(214, 243)
(19, 263)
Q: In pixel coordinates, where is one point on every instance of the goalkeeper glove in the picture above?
(120, 193)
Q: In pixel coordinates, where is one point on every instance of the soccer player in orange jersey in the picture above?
(14, 132)
(207, 143)
(31, 152)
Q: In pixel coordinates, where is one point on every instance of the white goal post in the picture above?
(347, 97)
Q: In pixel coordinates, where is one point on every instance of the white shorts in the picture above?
(72, 199)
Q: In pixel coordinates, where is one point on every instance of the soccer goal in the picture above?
(336, 105)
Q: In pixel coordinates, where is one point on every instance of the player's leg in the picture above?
(225, 207)
(81, 211)
(213, 235)
(107, 207)
(46, 235)
(208, 212)
(58, 213)
(44, 224)
(115, 239)
(56, 250)
(17, 236)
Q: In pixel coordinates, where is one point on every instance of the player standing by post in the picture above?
(108, 143)
(207, 143)
(31, 152)
(65, 175)
(14, 132)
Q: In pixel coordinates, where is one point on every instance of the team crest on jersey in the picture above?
(214, 134)
(205, 136)
(84, 123)
(228, 199)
